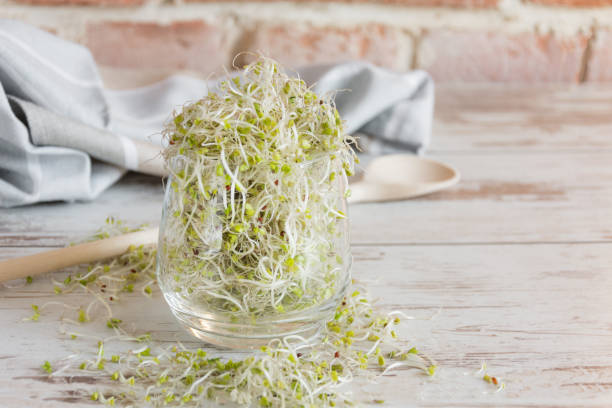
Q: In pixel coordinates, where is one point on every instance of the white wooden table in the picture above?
(515, 262)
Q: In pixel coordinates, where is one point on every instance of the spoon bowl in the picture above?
(401, 176)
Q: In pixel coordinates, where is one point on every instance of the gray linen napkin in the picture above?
(64, 137)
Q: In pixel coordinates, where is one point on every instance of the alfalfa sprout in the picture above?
(359, 341)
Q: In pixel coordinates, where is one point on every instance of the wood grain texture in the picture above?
(498, 200)
(512, 267)
(507, 118)
(538, 315)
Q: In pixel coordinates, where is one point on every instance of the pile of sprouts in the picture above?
(255, 221)
(285, 373)
(358, 341)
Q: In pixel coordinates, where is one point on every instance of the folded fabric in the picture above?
(63, 136)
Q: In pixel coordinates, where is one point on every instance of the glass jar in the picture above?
(239, 268)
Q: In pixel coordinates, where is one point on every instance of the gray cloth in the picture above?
(64, 137)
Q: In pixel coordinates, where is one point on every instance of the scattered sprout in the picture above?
(36, 315)
(283, 372)
(108, 280)
(490, 379)
(82, 316)
(431, 370)
(113, 323)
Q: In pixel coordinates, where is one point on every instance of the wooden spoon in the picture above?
(401, 176)
(56, 259)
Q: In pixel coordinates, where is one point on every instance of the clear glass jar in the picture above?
(282, 270)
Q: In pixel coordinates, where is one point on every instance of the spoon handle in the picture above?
(78, 254)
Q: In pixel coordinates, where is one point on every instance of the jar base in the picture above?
(310, 335)
(305, 326)
(242, 338)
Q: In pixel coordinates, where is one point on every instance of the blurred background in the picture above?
(511, 41)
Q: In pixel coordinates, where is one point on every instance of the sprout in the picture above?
(47, 367)
(36, 314)
(83, 316)
(490, 379)
(431, 370)
(113, 323)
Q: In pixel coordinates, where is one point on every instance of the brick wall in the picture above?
(137, 41)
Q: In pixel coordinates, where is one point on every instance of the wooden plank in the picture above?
(539, 197)
(538, 315)
(493, 118)
(136, 198)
